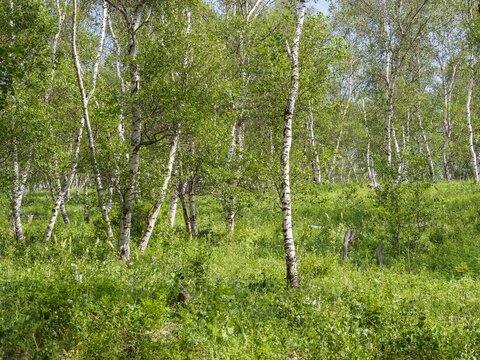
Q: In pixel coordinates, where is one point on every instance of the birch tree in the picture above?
(85, 98)
(286, 200)
(134, 18)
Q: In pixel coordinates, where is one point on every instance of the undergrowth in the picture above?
(72, 298)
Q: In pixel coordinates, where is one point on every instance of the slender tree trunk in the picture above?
(397, 149)
(63, 209)
(77, 188)
(192, 207)
(134, 21)
(290, 257)
(342, 123)
(52, 191)
(390, 90)
(120, 126)
(448, 134)
(315, 161)
(431, 168)
(17, 198)
(447, 100)
(181, 195)
(173, 208)
(61, 195)
(334, 159)
(110, 196)
(156, 210)
(470, 130)
(85, 99)
(236, 148)
(86, 215)
(371, 170)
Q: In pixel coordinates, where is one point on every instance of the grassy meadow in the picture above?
(72, 298)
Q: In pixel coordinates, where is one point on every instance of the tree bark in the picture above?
(86, 215)
(17, 198)
(371, 171)
(447, 86)
(380, 254)
(342, 122)
(348, 241)
(236, 148)
(431, 168)
(173, 208)
(61, 195)
(161, 197)
(470, 131)
(85, 100)
(192, 207)
(133, 23)
(63, 209)
(182, 186)
(315, 161)
(286, 201)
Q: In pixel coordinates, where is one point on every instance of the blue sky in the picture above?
(320, 5)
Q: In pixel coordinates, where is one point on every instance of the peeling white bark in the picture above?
(182, 190)
(173, 208)
(431, 168)
(371, 171)
(470, 130)
(133, 21)
(85, 100)
(17, 198)
(286, 201)
(192, 207)
(161, 197)
(315, 161)
(61, 195)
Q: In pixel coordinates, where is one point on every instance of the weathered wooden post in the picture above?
(380, 254)
(347, 240)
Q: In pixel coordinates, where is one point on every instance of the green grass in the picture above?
(73, 299)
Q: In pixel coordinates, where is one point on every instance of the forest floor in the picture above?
(73, 299)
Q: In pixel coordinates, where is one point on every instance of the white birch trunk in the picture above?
(182, 189)
(192, 207)
(342, 122)
(334, 159)
(17, 198)
(173, 208)
(469, 112)
(134, 22)
(390, 89)
(86, 215)
(286, 201)
(397, 149)
(447, 86)
(85, 99)
(110, 196)
(470, 130)
(156, 210)
(61, 195)
(120, 126)
(63, 209)
(237, 144)
(77, 187)
(431, 168)
(371, 170)
(315, 161)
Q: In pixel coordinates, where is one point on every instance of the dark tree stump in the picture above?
(183, 296)
(348, 241)
(380, 254)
